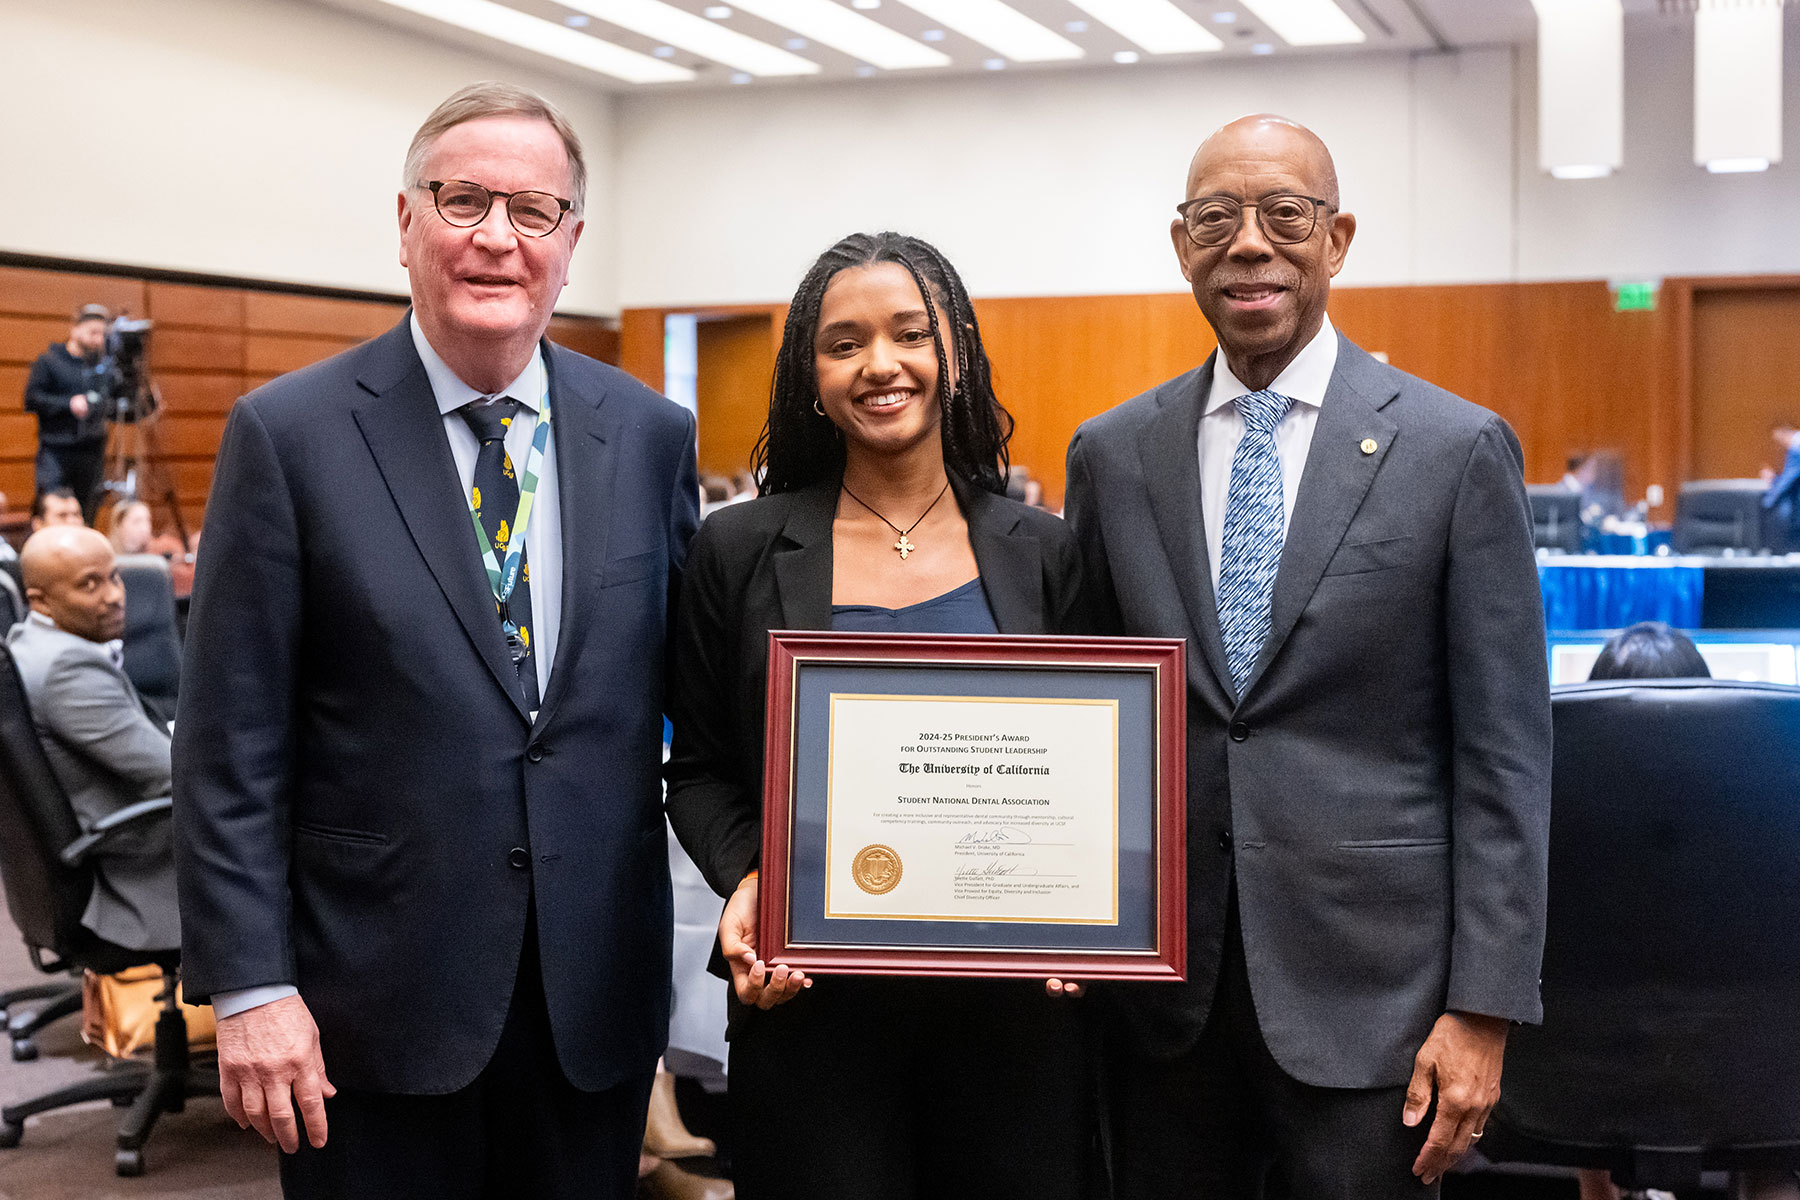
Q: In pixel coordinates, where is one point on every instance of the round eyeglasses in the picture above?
(1286, 218)
(464, 204)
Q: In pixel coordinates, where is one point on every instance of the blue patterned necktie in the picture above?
(1254, 519)
(496, 502)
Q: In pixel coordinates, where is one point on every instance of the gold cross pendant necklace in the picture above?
(904, 546)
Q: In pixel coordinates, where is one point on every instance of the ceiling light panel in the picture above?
(1307, 22)
(1154, 25)
(665, 23)
(1000, 28)
(515, 28)
(830, 24)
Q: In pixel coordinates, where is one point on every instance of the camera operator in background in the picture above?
(66, 389)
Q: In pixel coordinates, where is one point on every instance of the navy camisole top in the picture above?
(964, 610)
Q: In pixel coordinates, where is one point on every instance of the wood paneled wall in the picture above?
(1555, 359)
(210, 345)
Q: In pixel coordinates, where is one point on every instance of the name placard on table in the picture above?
(975, 805)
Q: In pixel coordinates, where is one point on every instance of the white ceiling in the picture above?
(1389, 26)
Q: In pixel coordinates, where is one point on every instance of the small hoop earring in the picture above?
(818, 409)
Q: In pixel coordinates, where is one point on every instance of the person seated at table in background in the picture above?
(103, 747)
(1649, 650)
(883, 465)
(130, 529)
(1653, 650)
(58, 506)
(1783, 494)
(1599, 478)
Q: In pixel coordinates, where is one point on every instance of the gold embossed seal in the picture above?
(876, 869)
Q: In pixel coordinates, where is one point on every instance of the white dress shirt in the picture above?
(543, 541)
(1221, 429)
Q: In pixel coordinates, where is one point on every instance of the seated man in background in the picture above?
(104, 749)
(1783, 495)
(58, 506)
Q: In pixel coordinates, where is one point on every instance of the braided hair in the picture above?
(799, 447)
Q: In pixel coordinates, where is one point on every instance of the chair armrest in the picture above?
(110, 824)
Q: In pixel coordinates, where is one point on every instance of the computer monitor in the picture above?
(1715, 515)
(1555, 517)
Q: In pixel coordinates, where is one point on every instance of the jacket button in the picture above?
(535, 752)
(1239, 731)
(1225, 840)
(518, 858)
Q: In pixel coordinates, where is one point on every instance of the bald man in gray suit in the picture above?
(1348, 550)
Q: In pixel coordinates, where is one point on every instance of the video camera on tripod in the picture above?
(123, 389)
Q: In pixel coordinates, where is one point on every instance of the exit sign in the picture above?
(1635, 296)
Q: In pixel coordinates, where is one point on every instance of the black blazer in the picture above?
(362, 805)
(767, 565)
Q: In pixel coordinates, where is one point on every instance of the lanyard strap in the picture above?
(503, 576)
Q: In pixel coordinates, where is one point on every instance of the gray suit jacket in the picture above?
(107, 753)
(1381, 788)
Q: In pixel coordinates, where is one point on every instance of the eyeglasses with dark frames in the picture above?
(465, 204)
(1286, 218)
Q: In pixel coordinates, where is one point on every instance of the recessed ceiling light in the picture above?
(1074, 26)
(664, 52)
(864, 71)
(831, 24)
(575, 21)
(1154, 25)
(1000, 27)
(1307, 22)
(1734, 166)
(670, 25)
(865, 4)
(1125, 57)
(932, 35)
(1224, 18)
(718, 12)
(1262, 48)
(740, 77)
(1582, 171)
(549, 38)
(995, 64)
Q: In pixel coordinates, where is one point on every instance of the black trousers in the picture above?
(81, 469)
(1223, 1121)
(521, 1131)
(912, 1089)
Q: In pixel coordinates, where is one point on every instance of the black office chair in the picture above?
(44, 865)
(1715, 515)
(1672, 970)
(152, 644)
(1555, 517)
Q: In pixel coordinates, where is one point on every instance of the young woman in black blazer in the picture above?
(883, 464)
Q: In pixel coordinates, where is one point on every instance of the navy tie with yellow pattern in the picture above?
(496, 502)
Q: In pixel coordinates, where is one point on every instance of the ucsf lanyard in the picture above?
(503, 575)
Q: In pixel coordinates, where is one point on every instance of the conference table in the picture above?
(1610, 591)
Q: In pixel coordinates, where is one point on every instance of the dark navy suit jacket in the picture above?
(363, 808)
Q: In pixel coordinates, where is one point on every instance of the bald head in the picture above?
(70, 577)
(1262, 136)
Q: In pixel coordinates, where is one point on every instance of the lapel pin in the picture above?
(1368, 445)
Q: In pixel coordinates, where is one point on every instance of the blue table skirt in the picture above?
(1610, 592)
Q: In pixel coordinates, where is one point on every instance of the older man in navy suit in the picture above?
(1349, 550)
(423, 867)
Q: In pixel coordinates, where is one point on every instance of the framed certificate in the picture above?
(940, 804)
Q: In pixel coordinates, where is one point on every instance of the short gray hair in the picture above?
(491, 98)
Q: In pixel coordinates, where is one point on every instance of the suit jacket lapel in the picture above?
(587, 463)
(1337, 477)
(1170, 448)
(803, 558)
(1012, 571)
(404, 431)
